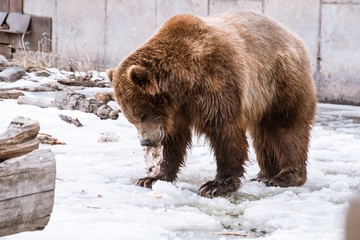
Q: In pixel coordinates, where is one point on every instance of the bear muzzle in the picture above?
(152, 140)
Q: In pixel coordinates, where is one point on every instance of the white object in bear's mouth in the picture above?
(153, 158)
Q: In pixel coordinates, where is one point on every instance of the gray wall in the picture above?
(106, 31)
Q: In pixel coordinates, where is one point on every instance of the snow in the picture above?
(95, 195)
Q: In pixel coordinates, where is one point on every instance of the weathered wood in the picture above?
(27, 192)
(10, 94)
(58, 86)
(19, 149)
(71, 120)
(19, 130)
(31, 89)
(85, 82)
(40, 102)
(48, 139)
(19, 138)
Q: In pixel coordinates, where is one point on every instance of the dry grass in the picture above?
(41, 60)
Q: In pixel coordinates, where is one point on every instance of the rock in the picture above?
(12, 74)
(102, 97)
(114, 114)
(3, 60)
(10, 94)
(77, 101)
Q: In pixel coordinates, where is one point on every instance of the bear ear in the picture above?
(140, 76)
(109, 74)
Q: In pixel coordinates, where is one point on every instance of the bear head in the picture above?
(143, 102)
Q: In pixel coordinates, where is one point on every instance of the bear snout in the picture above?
(146, 143)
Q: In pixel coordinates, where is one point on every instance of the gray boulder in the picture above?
(12, 74)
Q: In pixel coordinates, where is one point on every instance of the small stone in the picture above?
(104, 111)
(12, 74)
(114, 114)
(102, 97)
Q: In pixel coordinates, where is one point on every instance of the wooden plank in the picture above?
(4, 6)
(16, 6)
(4, 38)
(5, 50)
(39, 26)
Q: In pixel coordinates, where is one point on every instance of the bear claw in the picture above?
(219, 187)
(146, 182)
(261, 178)
(285, 179)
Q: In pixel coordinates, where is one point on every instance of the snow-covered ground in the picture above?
(95, 196)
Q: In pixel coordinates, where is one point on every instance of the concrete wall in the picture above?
(106, 31)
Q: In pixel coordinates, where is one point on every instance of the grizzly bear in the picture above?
(221, 76)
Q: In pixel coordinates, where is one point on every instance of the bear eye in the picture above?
(144, 117)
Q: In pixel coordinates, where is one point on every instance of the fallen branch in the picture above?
(48, 139)
(68, 119)
(83, 82)
(235, 234)
(31, 89)
(58, 86)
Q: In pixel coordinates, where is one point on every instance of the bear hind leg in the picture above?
(266, 160)
(282, 156)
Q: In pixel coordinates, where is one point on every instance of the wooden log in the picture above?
(10, 94)
(31, 89)
(18, 149)
(27, 192)
(39, 102)
(84, 82)
(19, 138)
(58, 86)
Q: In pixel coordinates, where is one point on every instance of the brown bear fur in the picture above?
(222, 76)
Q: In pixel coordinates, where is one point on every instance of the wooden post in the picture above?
(27, 192)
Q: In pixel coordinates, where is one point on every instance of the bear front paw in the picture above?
(220, 186)
(146, 182)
